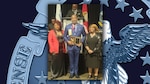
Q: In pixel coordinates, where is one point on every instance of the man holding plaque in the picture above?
(72, 36)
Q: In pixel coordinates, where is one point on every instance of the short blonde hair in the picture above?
(94, 26)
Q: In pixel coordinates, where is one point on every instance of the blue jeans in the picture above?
(73, 59)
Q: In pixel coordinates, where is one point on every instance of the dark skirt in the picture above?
(58, 65)
(92, 61)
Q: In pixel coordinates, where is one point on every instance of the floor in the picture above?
(66, 77)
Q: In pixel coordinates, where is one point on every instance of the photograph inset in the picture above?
(75, 42)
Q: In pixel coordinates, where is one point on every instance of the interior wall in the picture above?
(93, 12)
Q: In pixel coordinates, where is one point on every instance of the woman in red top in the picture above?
(57, 50)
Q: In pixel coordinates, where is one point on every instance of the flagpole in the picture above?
(101, 16)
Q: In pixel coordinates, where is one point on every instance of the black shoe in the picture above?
(77, 76)
(95, 77)
(89, 76)
(71, 76)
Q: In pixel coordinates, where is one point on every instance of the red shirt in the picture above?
(54, 43)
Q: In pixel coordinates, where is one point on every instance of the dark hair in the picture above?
(59, 23)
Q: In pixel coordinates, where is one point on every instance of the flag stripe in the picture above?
(85, 14)
(58, 12)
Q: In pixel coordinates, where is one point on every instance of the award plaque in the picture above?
(75, 39)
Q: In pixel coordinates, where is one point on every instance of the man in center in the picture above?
(76, 30)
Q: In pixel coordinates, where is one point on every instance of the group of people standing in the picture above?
(57, 49)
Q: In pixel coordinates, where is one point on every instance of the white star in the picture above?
(136, 14)
(146, 78)
(121, 4)
(105, 2)
(146, 59)
(42, 79)
(86, 2)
